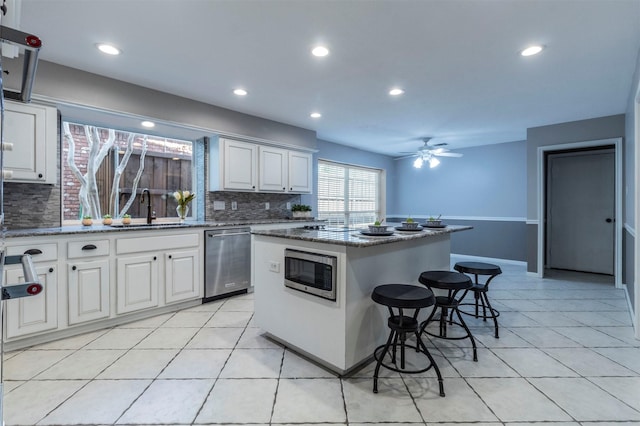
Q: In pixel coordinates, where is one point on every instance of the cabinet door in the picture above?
(182, 275)
(273, 169)
(32, 129)
(239, 165)
(35, 313)
(137, 283)
(88, 290)
(300, 168)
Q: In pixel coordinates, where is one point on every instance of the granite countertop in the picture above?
(141, 226)
(354, 238)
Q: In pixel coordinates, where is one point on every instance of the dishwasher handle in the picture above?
(228, 235)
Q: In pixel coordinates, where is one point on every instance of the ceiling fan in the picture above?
(429, 152)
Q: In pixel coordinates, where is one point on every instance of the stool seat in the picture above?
(399, 297)
(403, 296)
(479, 268)
(480, 290)
(446, 280)
(453, 282)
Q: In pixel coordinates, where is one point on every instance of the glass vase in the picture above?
(183, 211)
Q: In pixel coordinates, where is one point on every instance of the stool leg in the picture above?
(476, 296)
(403, 337)
(493, 314)
(379, 363)
(421, 344)
(393, 349)
(424, 324)
(443, 322)
(473, 341)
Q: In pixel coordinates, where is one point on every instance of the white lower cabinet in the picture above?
(106, 278)
(182, 275)
(88, 290)
(137, 283)
(33, 314)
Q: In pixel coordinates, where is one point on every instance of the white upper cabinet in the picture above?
(243, 166)
(273, 169)
(32, 131)
(239, 165)
(300, 172)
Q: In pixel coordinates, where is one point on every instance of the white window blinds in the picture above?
(348, 195)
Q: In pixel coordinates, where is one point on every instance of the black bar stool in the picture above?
(400, 297)
(453, 282)
(480, 290)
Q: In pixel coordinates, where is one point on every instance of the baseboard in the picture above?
(490, 259)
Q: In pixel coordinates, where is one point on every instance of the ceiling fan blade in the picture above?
(405, 156)
(447, 154)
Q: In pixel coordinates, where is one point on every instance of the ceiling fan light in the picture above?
(433, 162)
(418, 163)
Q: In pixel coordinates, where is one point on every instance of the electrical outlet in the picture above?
(274, 266)
(288, 206)
(266, 206)
(234, 205)
(219, 205)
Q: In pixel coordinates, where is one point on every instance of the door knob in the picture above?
(609, 220)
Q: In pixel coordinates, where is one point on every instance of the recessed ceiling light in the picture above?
(108, 49)
(320, 51)
(396, 91)
(240, 92)
(315, 115)
(532, 50)
(148, 124)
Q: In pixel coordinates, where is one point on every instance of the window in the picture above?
(116, 166)
(349, 195)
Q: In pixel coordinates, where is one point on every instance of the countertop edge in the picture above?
(353, 240)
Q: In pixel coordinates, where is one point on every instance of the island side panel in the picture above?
(309, 323)
(368, 267)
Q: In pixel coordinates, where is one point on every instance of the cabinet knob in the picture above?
(73, 268)
(89, 247)
(154, 258)
(253, 187)
(33, 251)
(284, 189)
(169, 256)
(50, 269)
(39, 175)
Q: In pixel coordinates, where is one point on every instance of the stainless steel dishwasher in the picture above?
(227, 267)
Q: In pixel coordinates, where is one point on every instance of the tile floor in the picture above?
(566, 356)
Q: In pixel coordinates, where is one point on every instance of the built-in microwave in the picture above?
(311, 273)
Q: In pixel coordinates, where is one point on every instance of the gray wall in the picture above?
(91, 90)
(630, 186)
(556, 134)
(486, 188)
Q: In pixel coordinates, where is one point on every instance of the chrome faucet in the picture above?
(150, 215)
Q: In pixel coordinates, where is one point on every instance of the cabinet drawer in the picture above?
(79, 249)
(165, 242)
(38, 252)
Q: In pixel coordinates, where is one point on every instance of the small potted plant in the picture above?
(126, 219)
(107, 220)
(301, 211)
(377, 227)
(434, 221)
(410, 223)
(87, 220)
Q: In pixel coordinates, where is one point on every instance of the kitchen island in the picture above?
(340, 334)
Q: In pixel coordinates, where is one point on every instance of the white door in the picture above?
(581, 211)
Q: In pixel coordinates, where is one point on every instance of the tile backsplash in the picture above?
(249, 205)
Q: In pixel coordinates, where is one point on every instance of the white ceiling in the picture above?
(457, 60)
